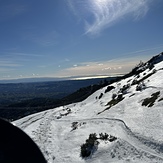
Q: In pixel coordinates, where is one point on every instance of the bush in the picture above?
(112, 138)
(134, 82)
(85, 152)
(151, 66)
(90, 146)
(74, 125)
(103, 136)
(114, 96)
(107, 137)
(109, 88)
(124, 89)
(100, 95)
(151, 100)
(140, 86)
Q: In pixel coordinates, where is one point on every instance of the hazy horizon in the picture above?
(77, 38)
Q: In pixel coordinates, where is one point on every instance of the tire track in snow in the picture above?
(43, 134)
(133, 139)
(136, 140)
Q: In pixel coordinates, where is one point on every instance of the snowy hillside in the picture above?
(130, 110)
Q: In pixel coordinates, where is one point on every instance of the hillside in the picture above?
(128, 113)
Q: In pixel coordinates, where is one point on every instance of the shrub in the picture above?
(114, 96)
(90, 146)
(151, 66)
(124, 89)
(109, 88)
(74, 125)
(103, 136)
(107, 137)
(100, 95)
(151, 100)
(112, 138)
(134, 82)
(140, 86)
(120, 97)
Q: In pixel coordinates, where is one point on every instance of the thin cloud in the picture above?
(48, 39)
(7, 55)
(9, 64)
(146, 50)
(45, 39)
(101, 14)
(24, 54)
(4, 70)
(42, 66)
(145, 54)
(67, 60)
(107, 12)
(96, 68)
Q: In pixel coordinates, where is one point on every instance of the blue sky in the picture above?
(63, 38)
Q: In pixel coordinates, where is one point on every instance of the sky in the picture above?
(69, 38)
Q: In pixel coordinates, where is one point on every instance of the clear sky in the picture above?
(62, 38)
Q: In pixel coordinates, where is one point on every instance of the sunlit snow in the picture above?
(138, 128)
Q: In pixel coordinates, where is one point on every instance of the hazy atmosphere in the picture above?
(65, 38)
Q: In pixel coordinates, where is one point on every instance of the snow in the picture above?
(138, 128)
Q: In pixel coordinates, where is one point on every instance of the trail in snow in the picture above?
(46, 130)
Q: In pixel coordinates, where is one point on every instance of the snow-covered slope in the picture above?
(130, 110)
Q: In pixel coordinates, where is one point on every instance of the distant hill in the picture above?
(51, 79)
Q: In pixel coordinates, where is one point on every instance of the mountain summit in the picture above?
(121, 122)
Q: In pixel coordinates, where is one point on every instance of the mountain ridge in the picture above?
(129, 109)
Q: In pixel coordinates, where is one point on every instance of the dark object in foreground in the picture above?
(16, 146)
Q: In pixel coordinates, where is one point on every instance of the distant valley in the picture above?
(21, 99)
